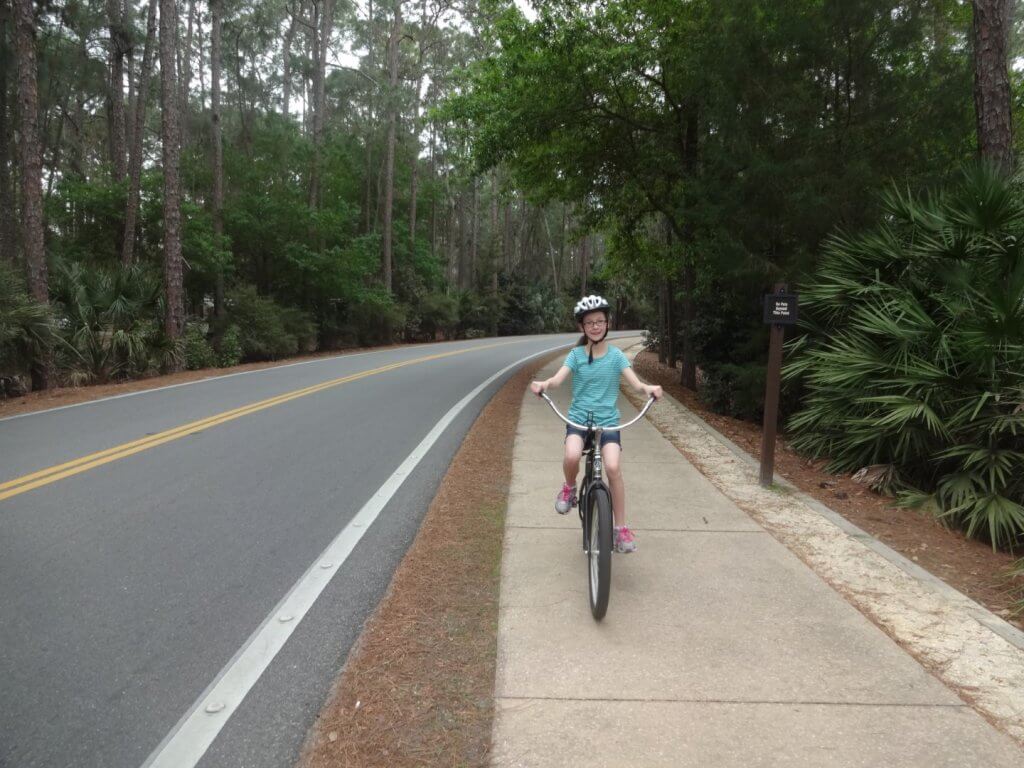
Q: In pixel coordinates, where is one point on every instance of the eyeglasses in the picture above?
(595, 323)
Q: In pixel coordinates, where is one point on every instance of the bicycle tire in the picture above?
(599, 555)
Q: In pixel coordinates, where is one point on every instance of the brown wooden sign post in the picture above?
(780, 310)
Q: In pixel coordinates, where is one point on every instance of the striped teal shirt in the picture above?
(595, 386)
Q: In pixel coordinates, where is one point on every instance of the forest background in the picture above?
(192, 183)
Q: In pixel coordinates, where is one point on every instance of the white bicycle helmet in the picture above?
(590, 304)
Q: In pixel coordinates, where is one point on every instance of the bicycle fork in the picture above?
(592, 477)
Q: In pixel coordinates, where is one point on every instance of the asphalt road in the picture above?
(131, 581)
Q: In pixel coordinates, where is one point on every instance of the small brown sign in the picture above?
(780, 308)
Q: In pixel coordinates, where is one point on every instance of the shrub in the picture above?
(196, 350)
(229, 351)
(300, 325)
(477, 312)
(376, 318)
(914, 362)
(526, 308)
(737, 390)
(438, 313)
(262, 324)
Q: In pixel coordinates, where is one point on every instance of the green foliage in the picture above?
(196, 350)
(229, 351)
(915, 355)
(267, 330)
(376, 318)
(734, 389)
(530, 307)
(438, 314)
(477, 313)
(109, 320)
(90, 215)
(301, 326)
(733, 136)
(27, 332)
(731, 345)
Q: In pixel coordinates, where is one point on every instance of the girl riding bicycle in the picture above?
(596, 367)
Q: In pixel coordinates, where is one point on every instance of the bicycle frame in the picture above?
(593, 474)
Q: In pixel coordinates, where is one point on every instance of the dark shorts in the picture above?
(606, 436)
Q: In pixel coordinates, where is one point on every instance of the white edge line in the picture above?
(188, 741)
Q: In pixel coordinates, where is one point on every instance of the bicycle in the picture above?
(595, 509)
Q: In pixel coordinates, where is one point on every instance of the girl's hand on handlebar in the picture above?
(537, 387)
(653, 390)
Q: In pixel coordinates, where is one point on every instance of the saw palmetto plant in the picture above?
(109, 320)
(26, 326)
(913, 361)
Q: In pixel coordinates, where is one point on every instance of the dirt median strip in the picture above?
(417, 687)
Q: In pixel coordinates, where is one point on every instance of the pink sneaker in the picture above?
(625, 541)
(565, 500)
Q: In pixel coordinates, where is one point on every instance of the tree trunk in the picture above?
(463, 260)
(119, 44)
(218, 148)
(389, 164)
(662, 323)
(186, 72)
(433, 197)
(506, 238)
(135, 162)
(326, 18)
(286, 67)
(129, 70)
(688, 376)
(474, 235)
(32, 241)
(370, 214)
(990, 36)
(184, 59)
(416, 129)
(202, 68)
(77, 161)
(170, 102)
(58, 144)
(8, 235)
(551, 249)
(414, 170)
(585, 265)
(524, 218)
(494, 239)
(561, 246)
(670, 319)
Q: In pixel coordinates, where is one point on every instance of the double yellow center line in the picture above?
(49, 475)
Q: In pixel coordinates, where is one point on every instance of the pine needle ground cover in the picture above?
(417, 688)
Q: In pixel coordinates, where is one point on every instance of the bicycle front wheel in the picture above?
(600, 550)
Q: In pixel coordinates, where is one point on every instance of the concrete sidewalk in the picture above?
(720, 647)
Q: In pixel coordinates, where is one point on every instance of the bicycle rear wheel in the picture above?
(599, 560)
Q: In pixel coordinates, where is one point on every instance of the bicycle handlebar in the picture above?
(585, 428)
